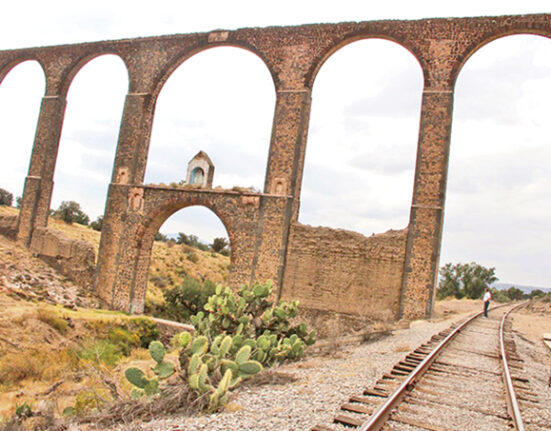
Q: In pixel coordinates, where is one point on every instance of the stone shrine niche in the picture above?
(200, 171)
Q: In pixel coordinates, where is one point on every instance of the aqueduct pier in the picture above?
(326, 269)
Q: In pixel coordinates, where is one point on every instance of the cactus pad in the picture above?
(157, 351)
(164, 369)
(249, 368)
(136, 377)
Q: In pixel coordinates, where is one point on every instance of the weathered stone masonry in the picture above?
(396, 270)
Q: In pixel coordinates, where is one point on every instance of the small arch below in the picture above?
(183, 249)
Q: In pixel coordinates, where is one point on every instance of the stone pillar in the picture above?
(427, 209)
(129, 168)
(283, 177)
(288, 144)
(40, 180)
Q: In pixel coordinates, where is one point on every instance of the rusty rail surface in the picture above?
(512, 403)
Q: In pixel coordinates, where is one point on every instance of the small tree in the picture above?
(192, 241)
(70, 212)
(161, 237)
(515, 293)
(183, 238)
(460, 280)
(188, 299)
(6, 198)
(537, 293)
(450, 283)
(219, 244)
(97, 224)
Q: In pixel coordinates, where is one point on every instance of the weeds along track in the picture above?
(456, 381)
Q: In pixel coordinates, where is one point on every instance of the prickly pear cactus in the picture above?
(235, 335)
(163, 369)
(247, 315)
(203, 363)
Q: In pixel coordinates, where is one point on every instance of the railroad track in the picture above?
(467, 377)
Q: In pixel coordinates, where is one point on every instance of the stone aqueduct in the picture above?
(326, 269)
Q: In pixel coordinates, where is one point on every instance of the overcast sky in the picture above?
(363, 129)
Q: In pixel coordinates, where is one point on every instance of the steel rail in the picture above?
(379, 417)
(512, 403)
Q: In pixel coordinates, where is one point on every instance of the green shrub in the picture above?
(190, 298)
(70, 212)
(123, 339)
(499, 295)
(145, 329)
(101, 351)
(23, 411)
(6, 198)
(97, 224)
(192, 257)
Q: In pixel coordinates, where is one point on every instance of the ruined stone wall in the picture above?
(8, 226)
(345, 272)
(73, 258)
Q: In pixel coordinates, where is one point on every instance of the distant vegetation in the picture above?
(70, 212)
(6, 198)
(468, 280)
(515, 294)
(464, 280)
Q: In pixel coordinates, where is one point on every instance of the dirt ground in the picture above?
(534, 320)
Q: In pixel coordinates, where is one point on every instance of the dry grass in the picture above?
(39, 364)
(177, 398)
(270, 377)
(52, 318)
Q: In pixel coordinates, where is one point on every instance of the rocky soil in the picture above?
(25, 277)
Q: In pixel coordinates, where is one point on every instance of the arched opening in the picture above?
(90, 130)
(20, 94)
(197, 176)
(497, 204)
(191, 252)
(360, 160)
(220, 101)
